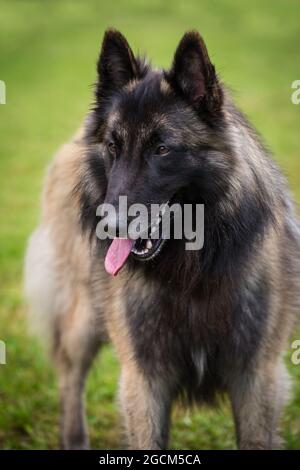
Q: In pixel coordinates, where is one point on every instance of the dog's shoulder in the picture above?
(62, 177)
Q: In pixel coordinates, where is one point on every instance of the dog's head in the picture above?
(159, 134)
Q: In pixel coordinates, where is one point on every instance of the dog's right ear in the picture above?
(116, 65)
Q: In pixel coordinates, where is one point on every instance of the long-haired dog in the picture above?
(190, 324)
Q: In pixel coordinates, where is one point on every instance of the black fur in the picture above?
(203, 300)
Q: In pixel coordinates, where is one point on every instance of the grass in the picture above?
(47, 59)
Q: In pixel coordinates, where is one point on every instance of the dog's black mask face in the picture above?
(160, 133)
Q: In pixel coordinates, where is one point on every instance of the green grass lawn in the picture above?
(48, 51)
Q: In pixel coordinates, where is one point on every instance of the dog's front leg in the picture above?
(257, 399)
(145, 404)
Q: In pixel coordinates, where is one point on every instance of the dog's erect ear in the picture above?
(116, 65)
(193, 75)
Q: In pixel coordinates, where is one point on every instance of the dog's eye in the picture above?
(112, 148)
(162, 150)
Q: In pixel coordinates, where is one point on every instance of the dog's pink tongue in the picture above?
(117, 254)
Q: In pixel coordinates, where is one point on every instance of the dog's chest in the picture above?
(170, 336)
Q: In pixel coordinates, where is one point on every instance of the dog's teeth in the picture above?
(149, 244)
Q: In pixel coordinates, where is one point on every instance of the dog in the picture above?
(185, 324)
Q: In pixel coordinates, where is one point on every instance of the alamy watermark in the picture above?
(2, 353)
(295, 97)
(140, 221)
(2, 92)
(295, 358)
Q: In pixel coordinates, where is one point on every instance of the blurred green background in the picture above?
(48, 51)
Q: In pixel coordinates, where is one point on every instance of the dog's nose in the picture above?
(117, 225)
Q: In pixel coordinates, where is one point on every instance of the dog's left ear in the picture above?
(193, 74)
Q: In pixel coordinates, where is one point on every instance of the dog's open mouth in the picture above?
(145, 248)
(151, 243)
